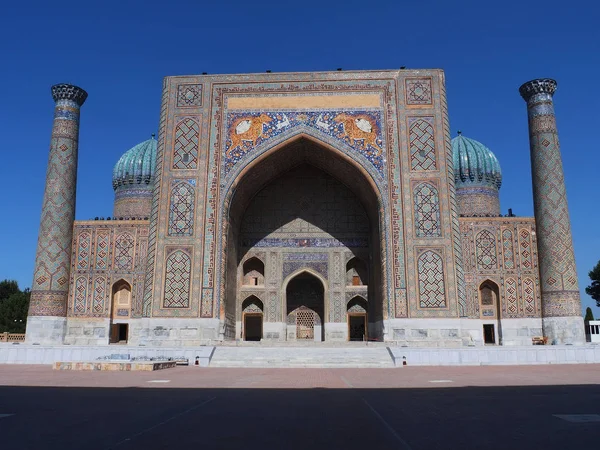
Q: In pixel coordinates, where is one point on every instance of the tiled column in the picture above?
(561, 306)
(46, 322)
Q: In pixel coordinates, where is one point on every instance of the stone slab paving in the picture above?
(494, 407)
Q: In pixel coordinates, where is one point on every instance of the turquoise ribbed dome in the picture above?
(474, 164)
(137, 166)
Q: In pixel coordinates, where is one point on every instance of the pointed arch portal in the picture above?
(302, 206)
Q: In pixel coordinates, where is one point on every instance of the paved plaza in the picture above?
(532, 407)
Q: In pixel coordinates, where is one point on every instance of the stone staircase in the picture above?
(303, 356)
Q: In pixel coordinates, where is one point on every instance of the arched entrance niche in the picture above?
(120, 312)
(252, 318)
(304, 205)
(305, 306)
(357, 319)
(489, 306)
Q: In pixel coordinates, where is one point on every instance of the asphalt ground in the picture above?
(518, 407)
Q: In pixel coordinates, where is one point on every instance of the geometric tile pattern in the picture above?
(53, 257)
(99, 294)
(508, 252)
(511, 296)
(185, 152)
(525, 248)
(102, 250)
(558, 274)
(529, 295)
(422, 144)
(100, 274)
(189, 95)
(80, 295)
(486, 251)
(124, 253)
(177, 280)
(431, 280)
(83, 256)
(150, 290)
(509, 269)
(427, 211)
(181, 215)
(418, 91)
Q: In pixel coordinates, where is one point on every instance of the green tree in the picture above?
(593, 290)
(13, 312)
(8, 288)
(589, 315)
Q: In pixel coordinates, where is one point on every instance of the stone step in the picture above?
(301, 357)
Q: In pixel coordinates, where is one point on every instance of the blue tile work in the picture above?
(306, 257)
(403, 94)
(361, 130)
(558, 274)
(289, 267)
(189, 95)
(181, 208)
(50, 287)
(305, 243)
(218, 201)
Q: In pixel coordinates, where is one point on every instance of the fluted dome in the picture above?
(477, 177)
(133, 181)
(136, 166)
(474, 163)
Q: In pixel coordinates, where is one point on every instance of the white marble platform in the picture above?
(320, 355)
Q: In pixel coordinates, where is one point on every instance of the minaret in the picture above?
(46, 322)
(561, 307)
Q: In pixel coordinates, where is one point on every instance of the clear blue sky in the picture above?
(119, 52)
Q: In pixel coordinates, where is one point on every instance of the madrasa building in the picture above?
(326, 206)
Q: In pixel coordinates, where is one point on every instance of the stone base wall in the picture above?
(160, 332)
(564, 330)
(460, 332)
(45, 330)
(87, 331)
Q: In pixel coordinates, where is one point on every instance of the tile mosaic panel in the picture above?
(185, 148)
(432, 292)
(189, 95)
(124, 248)
(427, 211)
(487, 258)
(178, 276)
(508, 251)
(421, 143)
(361, 130)
(418, 91)
(181, 208)
(511, 296)
(83, 255)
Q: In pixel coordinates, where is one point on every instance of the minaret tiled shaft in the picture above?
(561, 306)
(50, 287)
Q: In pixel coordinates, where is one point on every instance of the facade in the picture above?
(328, 206)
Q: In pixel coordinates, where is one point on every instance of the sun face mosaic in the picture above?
(361, 130)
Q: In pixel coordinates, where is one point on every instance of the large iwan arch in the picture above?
(303, 205)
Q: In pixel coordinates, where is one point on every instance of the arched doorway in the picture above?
(357, 319)
(302, 205)
(252, 318)
(120, 312)
(305, 307)
(489, 301)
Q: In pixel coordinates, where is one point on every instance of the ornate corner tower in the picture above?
(46, 321)
(561, 305)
